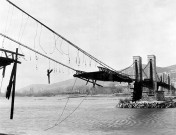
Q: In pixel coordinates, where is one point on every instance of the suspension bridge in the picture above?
(151, 80)
(140, 78)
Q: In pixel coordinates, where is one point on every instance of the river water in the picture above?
(95, 116)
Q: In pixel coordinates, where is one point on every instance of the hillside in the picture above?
(167, 70)
(65, 87)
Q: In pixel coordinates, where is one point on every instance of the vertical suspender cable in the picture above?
(36, 51)
(90, 56)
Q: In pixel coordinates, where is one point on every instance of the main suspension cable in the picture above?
(90, 56)
(39, 40)
(127, 67)
(146, 65)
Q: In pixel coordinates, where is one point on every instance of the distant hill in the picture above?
(81, 87)
(173, 67)
(167, 70)
(65, 87)
(59, 87)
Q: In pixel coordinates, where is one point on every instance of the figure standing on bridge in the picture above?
(48, 74)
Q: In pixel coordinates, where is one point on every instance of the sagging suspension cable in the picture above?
(144, 73)
(20, 28)
(54, 44)
(146, 65)
(66, 40)
(90, 62)
(83, 58)
(73, 110)
(69, 114)
(6, 27)
(145, 68)
(62, 110)
(49, 64)
(10, 19)
(8, 13)
(22, 31)
(20, 35)
(78, 62)
(40, 38)
(158, 77)
(24, 28)
(35, 35)
(127, 67)
(36, 52)
(36, 58)
(62, 50)
(68, 54)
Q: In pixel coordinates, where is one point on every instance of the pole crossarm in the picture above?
(75, 46)
(25, 46)
(7, 51)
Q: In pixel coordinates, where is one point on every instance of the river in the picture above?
(95, 116)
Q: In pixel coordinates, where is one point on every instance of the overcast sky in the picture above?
(111, 30)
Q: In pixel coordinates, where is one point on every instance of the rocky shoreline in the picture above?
(150, 105)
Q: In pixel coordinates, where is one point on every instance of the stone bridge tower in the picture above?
(137, 66)
(152, 74)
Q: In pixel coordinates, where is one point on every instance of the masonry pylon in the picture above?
(152, 74)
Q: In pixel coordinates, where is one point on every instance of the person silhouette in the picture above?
(48, 74)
